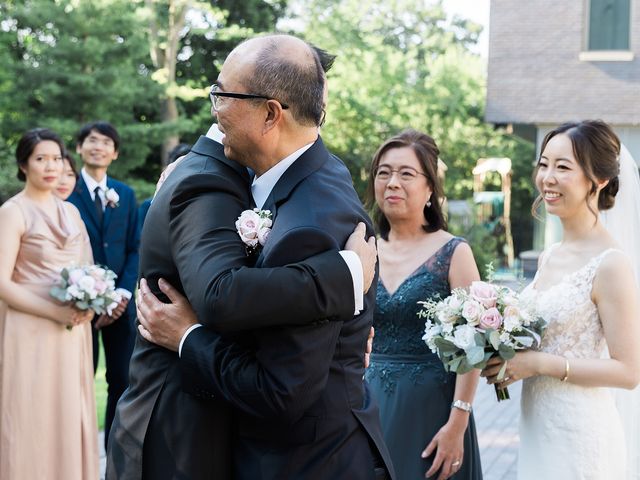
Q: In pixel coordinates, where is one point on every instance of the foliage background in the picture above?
(145, 66)
(401, 63)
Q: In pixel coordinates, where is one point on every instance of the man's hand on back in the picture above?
(163, 323)
(367, 252)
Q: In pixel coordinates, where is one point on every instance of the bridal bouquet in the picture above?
(468, 328)
(88, 287)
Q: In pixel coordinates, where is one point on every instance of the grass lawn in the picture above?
(101, 389)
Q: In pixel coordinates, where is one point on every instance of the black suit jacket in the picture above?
(324, 425)
(189, 238)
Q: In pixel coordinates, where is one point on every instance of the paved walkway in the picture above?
(497, 425)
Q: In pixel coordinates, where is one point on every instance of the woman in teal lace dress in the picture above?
(425, 411)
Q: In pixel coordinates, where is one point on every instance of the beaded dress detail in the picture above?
(408, 380)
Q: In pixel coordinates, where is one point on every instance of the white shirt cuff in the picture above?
(184, 337)
(357, 275)
(123, 292)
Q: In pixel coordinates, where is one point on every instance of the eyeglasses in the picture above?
(215, 95)
(406, 174)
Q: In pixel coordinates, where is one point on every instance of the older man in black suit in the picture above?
(269, 104)
(190, 239)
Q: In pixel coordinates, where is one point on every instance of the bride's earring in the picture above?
(428, 203)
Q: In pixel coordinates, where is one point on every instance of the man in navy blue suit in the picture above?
(109, 210)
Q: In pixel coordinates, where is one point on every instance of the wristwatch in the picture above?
(462, 405)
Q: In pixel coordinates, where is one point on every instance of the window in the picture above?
(609, 22)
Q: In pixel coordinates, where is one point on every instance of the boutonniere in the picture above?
(112, 198)
(254, 227)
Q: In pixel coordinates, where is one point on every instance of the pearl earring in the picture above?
(428, 203)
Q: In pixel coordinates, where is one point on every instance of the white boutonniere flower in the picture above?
(254, 227)
(112, 198)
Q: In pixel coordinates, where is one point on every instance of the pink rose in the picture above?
(101, 286)
(485, 293)
(491, 319)
(248, 225)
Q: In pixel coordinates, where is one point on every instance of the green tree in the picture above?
(143, 65)
(402, 64)
(188, 41)
(74, 62)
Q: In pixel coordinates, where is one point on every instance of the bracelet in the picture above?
(566, 370)
(461, 405)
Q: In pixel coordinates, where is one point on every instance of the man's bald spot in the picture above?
(278, 47)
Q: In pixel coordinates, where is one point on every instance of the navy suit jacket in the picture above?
(327, 426)
(115, 242)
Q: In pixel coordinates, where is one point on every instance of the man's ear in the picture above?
(274, 115)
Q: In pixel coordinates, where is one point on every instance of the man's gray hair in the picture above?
(300, 85)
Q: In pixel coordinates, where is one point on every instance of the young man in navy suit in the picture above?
(109, 210)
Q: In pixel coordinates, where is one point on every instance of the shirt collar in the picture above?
(262, 185)
(91, 183)
(214, 133)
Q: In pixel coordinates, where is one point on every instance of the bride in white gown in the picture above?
(586, 289)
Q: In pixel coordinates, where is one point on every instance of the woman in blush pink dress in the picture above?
(48, 425)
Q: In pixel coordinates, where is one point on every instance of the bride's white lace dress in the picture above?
(568, 431)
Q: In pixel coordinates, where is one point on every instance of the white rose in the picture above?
(453, 303)
(86, 283)
(512, 319)
(263, 235)
(464, 337)
(472, 311)
(444, 317)
(112, 196)
(447, 328)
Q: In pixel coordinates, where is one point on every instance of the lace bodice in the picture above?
(398, 328)
(574, 329)
(575, 430)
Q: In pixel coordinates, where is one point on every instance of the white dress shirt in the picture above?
(260, 190)
(92, 183)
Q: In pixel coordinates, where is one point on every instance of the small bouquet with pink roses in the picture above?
(88, 287)
(468, 328)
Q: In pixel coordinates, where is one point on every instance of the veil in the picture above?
(623, 223)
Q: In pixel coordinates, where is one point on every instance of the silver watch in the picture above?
(462, 405)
